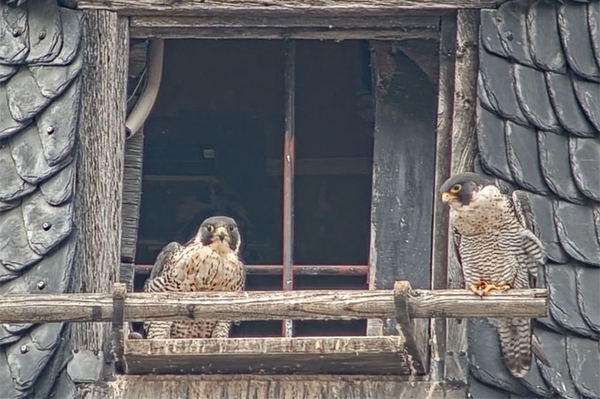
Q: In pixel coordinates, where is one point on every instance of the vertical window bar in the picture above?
(288, 176)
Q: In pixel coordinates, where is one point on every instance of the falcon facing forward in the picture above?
(208, 262)
(497, 250)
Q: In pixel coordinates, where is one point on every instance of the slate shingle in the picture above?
(39, 88)
(562, 40)
(491, 143)
(512, 31)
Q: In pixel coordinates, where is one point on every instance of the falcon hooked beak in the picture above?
(221, 233)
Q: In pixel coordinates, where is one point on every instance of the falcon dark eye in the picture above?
(455, 188)
(210, 228)
(231, 227)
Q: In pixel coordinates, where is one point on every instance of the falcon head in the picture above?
(462, 189)
(219, 232)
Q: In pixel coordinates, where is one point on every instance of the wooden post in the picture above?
(100, 167)
(464, 146)
(415, 350)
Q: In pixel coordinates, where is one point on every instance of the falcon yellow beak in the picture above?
(448, 197)
(221, 232)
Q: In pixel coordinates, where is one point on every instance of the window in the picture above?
(322, 150)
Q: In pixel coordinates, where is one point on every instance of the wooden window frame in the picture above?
(376, 20)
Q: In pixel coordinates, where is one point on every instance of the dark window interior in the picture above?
(214, 145)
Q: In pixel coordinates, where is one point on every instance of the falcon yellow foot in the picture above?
(483, 288)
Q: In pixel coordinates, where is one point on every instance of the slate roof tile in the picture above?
(522, 148)
(575, 35)
(530, 87)
(588, 295)
(544, 39)
(512, 31)
(566, 106)
(554, 161)
(39, 89)
(561, 171)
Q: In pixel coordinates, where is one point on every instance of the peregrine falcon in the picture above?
(210, 261)
(496, 245)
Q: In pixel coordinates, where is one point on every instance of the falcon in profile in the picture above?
(497, 248)
(210, 261)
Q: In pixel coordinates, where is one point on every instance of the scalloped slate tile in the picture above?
(72, 26)
(6, 381)
(15, 45)
(484, 101)
(6, 206)
(54, 382)
(26, 367)
(53, 80)
(588, 295)
(566, 106)
(512, 29)
(497, 81)
(556, 169)
(24, 97)
(588, 94)
(12, 186)
(583, 358)
(8, 126)
(577, 45)
(6, 275)
(534, 381)
(530, 87)
(490, 37)
(46, 225)
(492, 144)
(59, 188)
(57, 125)
(27, 152)
(477, 390)
(544, 39)
(562, 286)
(542, 210)
(45, 33)
(523, 158)
(16, 328)
(6, 71)
(594, 25)
(585, 165)
(577, 235)
(53, 272)
(15, 253)
(485, 359)
(556, 376)
(7, 337)
(64, 388)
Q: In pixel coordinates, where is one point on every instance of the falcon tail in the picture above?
(515, 344)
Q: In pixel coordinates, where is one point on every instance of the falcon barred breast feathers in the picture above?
(497, 248)
(210, 261)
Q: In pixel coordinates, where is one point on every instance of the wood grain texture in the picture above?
(443, 153)
(286, 27)
(269, 305)
(272, 386)
(100, 167)
(464, 145)
(262, 7)
(336, 355)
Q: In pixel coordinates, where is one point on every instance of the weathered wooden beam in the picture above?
(269, 305)
(286, 27)
(340, 355)
(265, 7)
(192, 386)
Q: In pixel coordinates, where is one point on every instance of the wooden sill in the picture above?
(384, 355)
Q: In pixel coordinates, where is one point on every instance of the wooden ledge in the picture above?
(329, 355)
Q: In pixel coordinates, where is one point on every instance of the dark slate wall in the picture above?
(40, 61)
(538, 123)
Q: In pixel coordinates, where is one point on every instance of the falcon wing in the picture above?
(163, 260)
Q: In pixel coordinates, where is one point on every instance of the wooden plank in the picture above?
(274, 386)
(286, 27)
(266, 7)
(439, 253)
(337, 355)
(402, 194)
(271, 305)
(464, 144)
(100, 155)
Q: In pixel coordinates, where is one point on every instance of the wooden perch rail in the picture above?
(269, 305)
